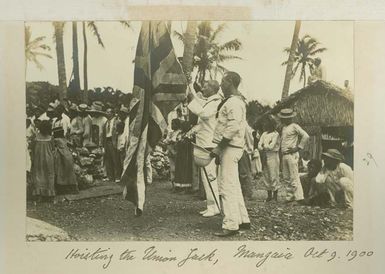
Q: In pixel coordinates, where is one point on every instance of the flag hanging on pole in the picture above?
(159, 85)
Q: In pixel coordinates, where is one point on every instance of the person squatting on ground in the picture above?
(206, 110)
(293, 139)
(269, 143)
(308, 179)
(229, 134)
(335, 179)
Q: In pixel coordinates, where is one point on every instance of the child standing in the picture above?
(269, 144)
(43, 169)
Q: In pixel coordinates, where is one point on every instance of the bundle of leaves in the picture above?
(160, 163)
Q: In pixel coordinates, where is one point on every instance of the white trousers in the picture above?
(233, 204)
(291, 179)
(148, 168)
(211, 170)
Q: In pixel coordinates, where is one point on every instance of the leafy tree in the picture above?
(35, 48)
(304, 56)
(209, 53)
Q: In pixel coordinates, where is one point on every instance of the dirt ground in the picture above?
(175, 217)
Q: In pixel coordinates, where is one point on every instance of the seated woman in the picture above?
(334, 182)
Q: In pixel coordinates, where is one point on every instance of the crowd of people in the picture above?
(209, 120)
(56, 133)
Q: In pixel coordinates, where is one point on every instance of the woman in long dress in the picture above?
(65, 177)
(183, 161)
(43, 169)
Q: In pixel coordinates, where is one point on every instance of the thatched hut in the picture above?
(325, 111)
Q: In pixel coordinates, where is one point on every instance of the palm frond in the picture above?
(92, 26)
(37, 63)
(179, 35)
(217, 31)
(224, 57)
(42, 54)
(234, 44)
(294, 72)
(320, 50)
(303, 71)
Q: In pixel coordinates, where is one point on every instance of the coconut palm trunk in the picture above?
(188, 51)
(289, 68)
(75, 57)
(59, 30)
(85, 77)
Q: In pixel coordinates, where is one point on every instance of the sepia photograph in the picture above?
(189, 130)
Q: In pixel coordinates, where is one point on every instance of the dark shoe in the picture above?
(275, 195)
(245, 226)
(269, 196)
(226, 233)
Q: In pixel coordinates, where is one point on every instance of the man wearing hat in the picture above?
(87, 124)
(98, 122)
(336, 179)
(293, 139)
(112, 161)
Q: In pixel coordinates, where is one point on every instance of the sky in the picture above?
(260, 68)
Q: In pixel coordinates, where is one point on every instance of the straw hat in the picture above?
(97, 107)
(201, 156)
(286, 113)
(334, 154)
(83, 107)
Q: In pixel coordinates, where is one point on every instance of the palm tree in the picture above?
(75, 57)
(34, 48)
(59, 31)
(75, 84)
(290, 61)
(92, 26)
(209, 53)
(95, 31)
(304, 56)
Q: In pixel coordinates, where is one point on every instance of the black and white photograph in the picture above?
(189, 131)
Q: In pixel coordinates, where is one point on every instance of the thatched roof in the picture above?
(320, 104)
